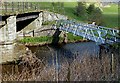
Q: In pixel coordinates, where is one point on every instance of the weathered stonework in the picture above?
(50, 16)
(8, 32)
(36, 25)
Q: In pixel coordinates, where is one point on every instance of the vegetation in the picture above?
(104, 14)
(109, 16)
(48, 39)
(109, 19)
(85, 68)
(81, 10)
(36, 39)
(73, 38)
(91, 8)
(94, 14)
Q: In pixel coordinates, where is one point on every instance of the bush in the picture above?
(90, 14)
(80, 9)
(90, 8)
(94, 14)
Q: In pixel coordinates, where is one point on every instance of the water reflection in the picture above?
(59, 54)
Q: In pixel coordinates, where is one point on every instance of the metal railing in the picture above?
(99, 34)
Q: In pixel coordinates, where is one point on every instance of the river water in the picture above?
(65, 52)
(58, 55)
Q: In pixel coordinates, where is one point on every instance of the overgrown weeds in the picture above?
(86, 68)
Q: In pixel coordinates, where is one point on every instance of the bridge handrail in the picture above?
(92, 32)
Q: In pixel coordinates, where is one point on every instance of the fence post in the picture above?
(5, 3)
(12, 7)
(112, 64)
(18, 6)
(23, 6)
(31, 6)
(27, 6)
(23, 34)
(33, 33)
(37, 6)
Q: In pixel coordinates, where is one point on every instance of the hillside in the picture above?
(110, 14)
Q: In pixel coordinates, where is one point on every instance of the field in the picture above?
(110, 14)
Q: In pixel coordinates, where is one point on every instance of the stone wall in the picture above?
(50, 16)
(8, 32)
(36, 25)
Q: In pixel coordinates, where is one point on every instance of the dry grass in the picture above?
(85, 69)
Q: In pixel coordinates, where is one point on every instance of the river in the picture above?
(58, 55)
(65, 52)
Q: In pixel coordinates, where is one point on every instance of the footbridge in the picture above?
(98, 34)
(17, 16)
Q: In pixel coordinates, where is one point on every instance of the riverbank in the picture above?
(48, 43)
(45, 40)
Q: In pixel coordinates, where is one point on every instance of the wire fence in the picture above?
(7, 8)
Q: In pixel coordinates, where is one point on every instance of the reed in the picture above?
(86, 68)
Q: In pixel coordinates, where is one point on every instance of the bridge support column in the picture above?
(65, 40)
(8, 32)
(56, 37)
(11, 28)
(39, 20)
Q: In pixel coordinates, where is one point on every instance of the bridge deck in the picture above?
(95, 33)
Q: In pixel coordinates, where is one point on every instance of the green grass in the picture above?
(47, 39)
(110, 20)
(110, 16)
(36, 39)
(113, 9)
(70, 4)
(72, 37)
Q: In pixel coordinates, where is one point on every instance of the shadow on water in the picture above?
(56, 54)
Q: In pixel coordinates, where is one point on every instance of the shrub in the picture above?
(80, 9)
(95, 15)
(90, 8)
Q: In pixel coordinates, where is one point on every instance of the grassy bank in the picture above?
(73, 38)
(48, 39)
(34, 40)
